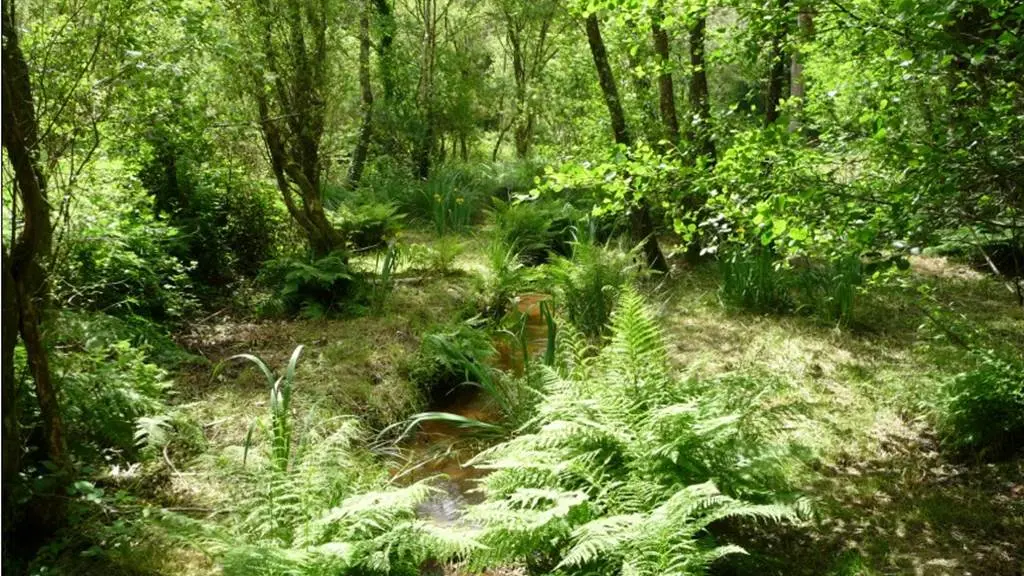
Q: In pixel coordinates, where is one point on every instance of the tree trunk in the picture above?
(641, 223)
(384, 51)
(11, 463)
(700, 102)
(25, 268)
(779, 74)
(292, 115)
(355, 170)
(425, 93)
(523, 131)
(666, 88)
(805, 24)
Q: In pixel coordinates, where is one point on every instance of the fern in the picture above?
(621, 467)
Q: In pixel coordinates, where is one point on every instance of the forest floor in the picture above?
(887, 500)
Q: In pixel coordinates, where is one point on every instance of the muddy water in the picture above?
(442, 450)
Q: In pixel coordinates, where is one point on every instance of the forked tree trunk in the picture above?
(666, 88)
(641, 223)
(355, 169)
(292, 115)
(25, 289)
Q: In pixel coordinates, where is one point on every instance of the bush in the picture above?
(368, 226)
(981, 410)
(314, 503)
(751, 281)
(107, 383)
(534, 229)
(452, 357)
(118, 256)
(759, 281)
(588, 284)
(314, 288)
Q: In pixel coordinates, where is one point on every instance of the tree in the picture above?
(355, 170)
(288, 74)
(528, 42)
(666, 89)
(778, 75)
(24, 265)
(700, 105)
(641, 223)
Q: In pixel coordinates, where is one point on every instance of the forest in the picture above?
(513, 287)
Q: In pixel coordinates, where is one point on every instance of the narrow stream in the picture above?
(440, 448)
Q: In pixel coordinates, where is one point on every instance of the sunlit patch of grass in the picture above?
(888, 499)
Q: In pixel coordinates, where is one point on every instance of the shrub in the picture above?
(534, 230)
(314, 288)
(506, 277)
(107, 383)
(830, 289)
(369, 225)
(981, 410)
(323, 505)
(588, 284)
(452, 357)
(117, 257)
(621, 469)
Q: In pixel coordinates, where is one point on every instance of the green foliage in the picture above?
(758, 281)
(369, 225)
(454, 357)
(117, 257)
(589, 283)
(751, 281)
(107, 384)
(314, 288)
(281, 427)
(534, 229)
(981, 410)
(619, 468)
(506, 277)
(332, 511)
(437, 257)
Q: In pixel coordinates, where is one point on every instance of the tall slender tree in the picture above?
(362, 149)
(641, 222)
(699, 128)
(666, 88)
(778, 76)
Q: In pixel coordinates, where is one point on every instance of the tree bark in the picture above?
(25, 268)
(700, 102)
(779, 74)
(384, 51)
(666, 88)
(292, 115)
(641, 223)
(805, 25)
(425, 93)
(355, 170)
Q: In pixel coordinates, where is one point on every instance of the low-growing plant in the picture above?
(453, 357)
(588, 284)
(981, 410)
(369, 225)
(625, 469)
(829, 290)
(536, 230)
(506, 277)
(751, 281)
(322, 505)
(314, 288)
